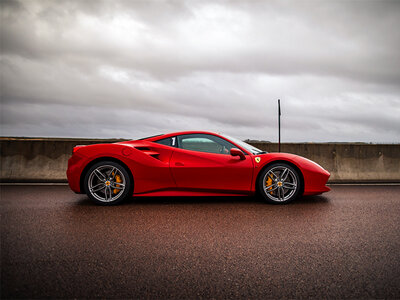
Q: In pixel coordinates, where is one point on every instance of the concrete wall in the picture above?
(349, 162)
(45, 160)
(38, 160)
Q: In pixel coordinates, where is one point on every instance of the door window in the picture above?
(204, 143)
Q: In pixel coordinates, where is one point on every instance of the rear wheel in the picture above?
(107, 183)
(279, 183)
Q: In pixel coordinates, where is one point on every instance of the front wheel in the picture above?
(279, 183)
(108, 183)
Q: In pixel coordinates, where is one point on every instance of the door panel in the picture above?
(210, 171)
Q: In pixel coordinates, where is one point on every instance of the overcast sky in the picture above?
(135, 68)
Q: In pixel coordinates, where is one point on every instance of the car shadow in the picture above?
(199, 200)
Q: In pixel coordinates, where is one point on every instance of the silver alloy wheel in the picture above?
(280, 183)
(106, 183)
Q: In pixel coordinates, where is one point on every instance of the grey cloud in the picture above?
(159, 66)
(166, 39)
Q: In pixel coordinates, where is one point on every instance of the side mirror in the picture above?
(237, 152)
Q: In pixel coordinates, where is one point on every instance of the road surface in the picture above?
(345, 244)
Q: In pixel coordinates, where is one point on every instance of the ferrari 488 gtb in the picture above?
(193, 163)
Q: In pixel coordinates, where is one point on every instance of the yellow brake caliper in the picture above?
(118, 180)
(268, 183)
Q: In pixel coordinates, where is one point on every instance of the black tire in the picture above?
(279, 183)
(108, 183)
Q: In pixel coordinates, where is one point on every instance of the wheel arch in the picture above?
(103, 158)
(294, 166)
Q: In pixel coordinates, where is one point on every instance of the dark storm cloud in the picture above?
(70, 67)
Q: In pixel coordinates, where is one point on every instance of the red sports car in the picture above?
(191, 163)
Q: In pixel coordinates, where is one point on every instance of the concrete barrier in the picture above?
(349, 162)
(38, 159)
(45, 159)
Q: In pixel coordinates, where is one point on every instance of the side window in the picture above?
(171, 141)
(205, 143)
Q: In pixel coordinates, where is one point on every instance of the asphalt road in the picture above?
(56, 244)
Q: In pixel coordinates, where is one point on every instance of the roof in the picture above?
(162, 136)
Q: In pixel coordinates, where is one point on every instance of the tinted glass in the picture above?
(171, 141)
(205, 143)
(246, 146)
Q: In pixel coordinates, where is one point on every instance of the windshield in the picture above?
(244, 145)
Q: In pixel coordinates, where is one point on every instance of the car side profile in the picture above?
(191, 163)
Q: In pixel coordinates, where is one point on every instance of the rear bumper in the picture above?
(74, 170)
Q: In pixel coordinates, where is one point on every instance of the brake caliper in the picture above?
(118, 180)
(268, 183)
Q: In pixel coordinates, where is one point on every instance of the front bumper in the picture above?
(316, 183)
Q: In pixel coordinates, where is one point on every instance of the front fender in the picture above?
(315, 176)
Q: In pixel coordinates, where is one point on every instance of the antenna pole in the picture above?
(279, 125)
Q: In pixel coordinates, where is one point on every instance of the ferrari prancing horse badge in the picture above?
(258, 159)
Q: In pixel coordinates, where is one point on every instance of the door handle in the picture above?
(179, 164)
